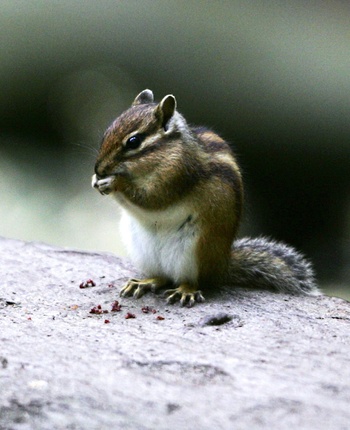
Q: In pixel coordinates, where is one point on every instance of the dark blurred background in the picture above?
(272, 77)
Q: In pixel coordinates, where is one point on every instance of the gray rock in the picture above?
(275, 361)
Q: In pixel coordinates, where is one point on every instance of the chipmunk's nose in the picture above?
(100, 173)
(96, 169)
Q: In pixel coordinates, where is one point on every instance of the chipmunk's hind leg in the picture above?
(187, 294)
(137, 288)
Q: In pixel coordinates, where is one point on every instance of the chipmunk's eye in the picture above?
(134, 141)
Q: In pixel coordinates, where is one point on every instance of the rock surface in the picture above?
(243, 359)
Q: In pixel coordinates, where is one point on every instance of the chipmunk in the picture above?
(181, 193)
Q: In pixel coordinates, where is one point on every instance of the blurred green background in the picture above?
(271, 77)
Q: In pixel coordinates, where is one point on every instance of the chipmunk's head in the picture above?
(139, 139)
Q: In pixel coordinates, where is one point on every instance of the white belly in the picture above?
(162, 243)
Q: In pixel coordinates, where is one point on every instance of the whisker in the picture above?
(85, 148)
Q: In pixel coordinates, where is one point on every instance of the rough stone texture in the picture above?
(243, 359)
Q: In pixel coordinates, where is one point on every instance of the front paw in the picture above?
(104, 186)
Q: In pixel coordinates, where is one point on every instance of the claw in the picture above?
(173, 296)
(129, 288)
(140, 291)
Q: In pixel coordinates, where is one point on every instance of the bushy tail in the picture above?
(265, 263)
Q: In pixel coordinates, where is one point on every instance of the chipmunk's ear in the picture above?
(165, 110)
(145, 96)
